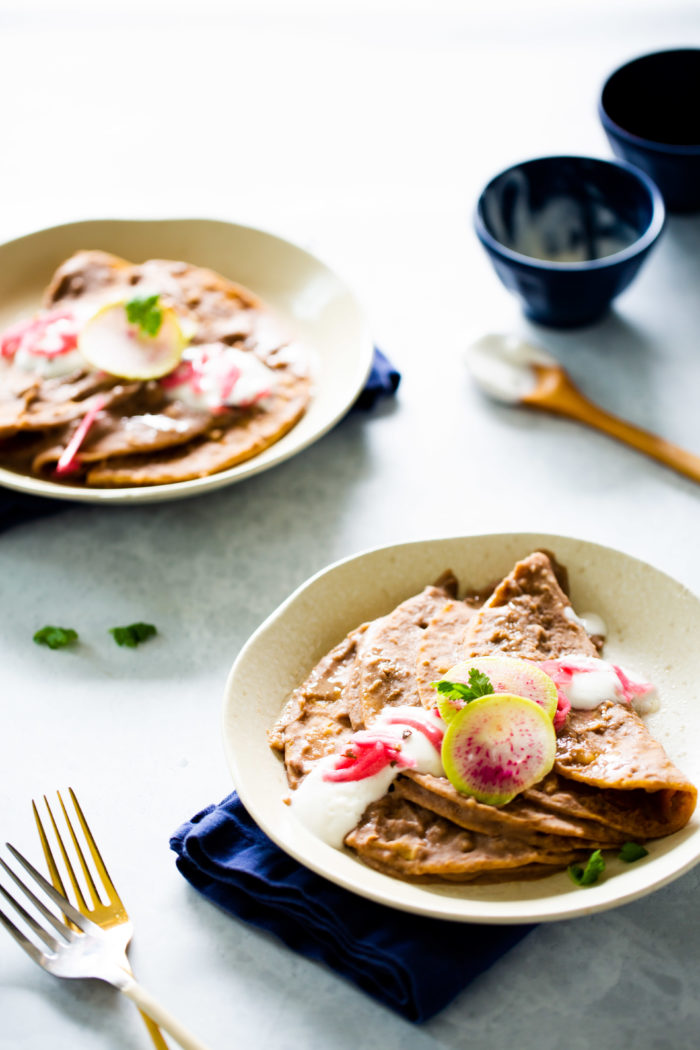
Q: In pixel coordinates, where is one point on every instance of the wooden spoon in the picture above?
(516, 372)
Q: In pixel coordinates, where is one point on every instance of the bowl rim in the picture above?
(670, 149)
(639, 245)
(383, 557)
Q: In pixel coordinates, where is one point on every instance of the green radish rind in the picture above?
(507, 675)
(498, 746)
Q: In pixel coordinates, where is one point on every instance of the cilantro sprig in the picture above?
(588, 875)
(55, 637)
(632, 851)
(479, 685)
(595, 866)
(146, 313)
(133, 634)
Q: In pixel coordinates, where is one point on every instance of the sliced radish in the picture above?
(506, 675)
(497, 746)
(111, 343)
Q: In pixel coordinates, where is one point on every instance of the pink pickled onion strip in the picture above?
(631, 689)
(12, 338)
(560, 673)
(228, 382)
(369, 752)
(70, 460)
(61, 331)
(345, 761)
(355, 750)
(432, 733)
(370, 737)
(563, 708)
(184, 373)
(372, 761)
(558, 669)
(59, 327)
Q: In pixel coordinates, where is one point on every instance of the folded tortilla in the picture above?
(611, 782)
(141, 436)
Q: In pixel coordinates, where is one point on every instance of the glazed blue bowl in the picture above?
(568, 234)
(650, 111)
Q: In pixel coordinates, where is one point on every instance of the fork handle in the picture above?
(556, 393)
(154, 1032)
(150, 1006)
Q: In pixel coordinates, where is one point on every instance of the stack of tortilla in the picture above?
(141, 436)
(611, 782)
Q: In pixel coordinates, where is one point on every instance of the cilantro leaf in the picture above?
(479, 685)
(632, 851)
(133, 634)
(56, 637)
(595, 866)
(453, 690)
(146, 314)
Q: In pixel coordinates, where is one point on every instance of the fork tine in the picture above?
(109, 886)
(48, 855)
(83, 923)
(39, 930)
(24, 942)
(82, 904)
(57, 924)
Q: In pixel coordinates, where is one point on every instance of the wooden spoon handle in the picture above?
(562, 398)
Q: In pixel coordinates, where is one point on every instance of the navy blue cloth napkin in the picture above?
(16, 508)
(382, 381)
(412, 964)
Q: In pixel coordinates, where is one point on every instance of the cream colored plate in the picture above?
(653, 623)
(302, 291)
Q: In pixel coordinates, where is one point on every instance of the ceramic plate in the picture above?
(315, 304)
(653, 625)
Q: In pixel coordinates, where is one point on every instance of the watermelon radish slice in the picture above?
(497, 746)
(506, 675)
(111, 343)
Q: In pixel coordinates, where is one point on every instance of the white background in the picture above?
(363, 132)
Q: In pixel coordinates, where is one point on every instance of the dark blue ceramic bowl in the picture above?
(568, 234)
(650, 110)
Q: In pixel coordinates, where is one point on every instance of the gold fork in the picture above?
(111, 916)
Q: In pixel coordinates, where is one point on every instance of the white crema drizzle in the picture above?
(591, 622)
(330, 809)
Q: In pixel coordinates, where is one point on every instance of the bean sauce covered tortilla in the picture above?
(611, 782)
(240, 384)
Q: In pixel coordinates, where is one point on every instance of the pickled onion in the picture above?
(69, 459)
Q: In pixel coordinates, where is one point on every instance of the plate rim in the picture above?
(533, 911)
(144, 494)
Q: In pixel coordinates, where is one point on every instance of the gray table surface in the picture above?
(365, 136)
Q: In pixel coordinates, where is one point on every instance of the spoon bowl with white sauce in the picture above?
(516, 372)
